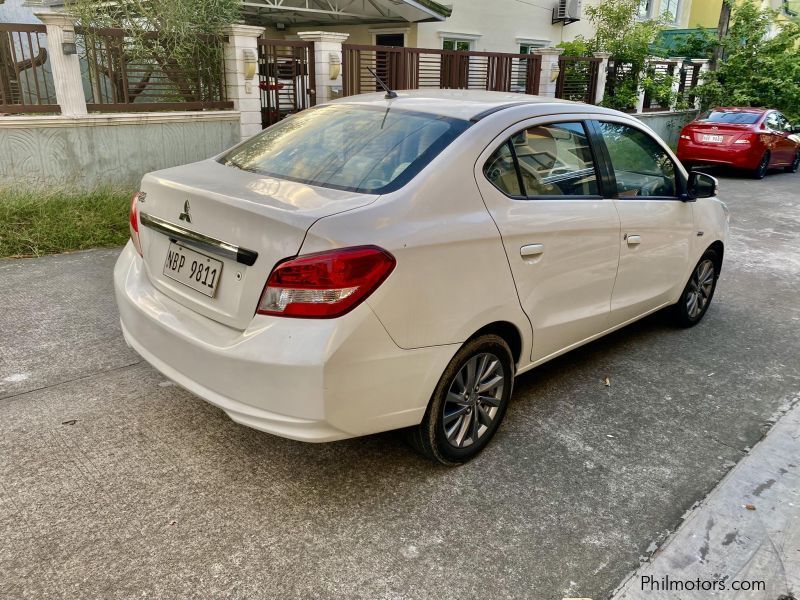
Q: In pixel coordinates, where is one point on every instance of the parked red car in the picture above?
(754, 139)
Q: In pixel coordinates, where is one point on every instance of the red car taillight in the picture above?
(133, 221)
(325, 285)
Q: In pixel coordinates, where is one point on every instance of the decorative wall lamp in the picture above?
(69, 46)
(336, 65)
(250, 68)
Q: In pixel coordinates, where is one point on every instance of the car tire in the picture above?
(461, 417)
(699, 291)
(795, 166)
(763, 167)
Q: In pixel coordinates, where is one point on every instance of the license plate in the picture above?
(193, 269)
(713, 138)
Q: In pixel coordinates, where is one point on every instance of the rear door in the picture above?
(656, 225)
(540, 182)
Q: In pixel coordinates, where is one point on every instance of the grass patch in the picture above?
(37, 223)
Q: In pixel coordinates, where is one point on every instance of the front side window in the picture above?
(553, 160)
(348, 147)
(641, 166)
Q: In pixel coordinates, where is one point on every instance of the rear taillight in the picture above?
(747, 138)
(133, 221)
(325, 284)
(685, 137)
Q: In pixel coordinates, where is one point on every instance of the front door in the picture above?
(540, 183)
(657, 226)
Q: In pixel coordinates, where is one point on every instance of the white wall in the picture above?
(16, 11)
(107, 150)
(502, 23)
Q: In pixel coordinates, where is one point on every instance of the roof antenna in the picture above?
(389, 93)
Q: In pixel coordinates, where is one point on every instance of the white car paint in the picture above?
(458, 245)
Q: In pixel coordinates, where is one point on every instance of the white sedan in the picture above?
(379, 263)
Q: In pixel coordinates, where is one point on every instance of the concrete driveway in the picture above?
(116, 483)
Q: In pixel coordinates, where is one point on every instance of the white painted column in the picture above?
(677, 66)
(327, 62)
(602, 76)
(66, 67)
(241, 76)
(550, 70)
(639, 108)
(705, 65)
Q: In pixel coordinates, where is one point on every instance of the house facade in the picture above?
(499, 26)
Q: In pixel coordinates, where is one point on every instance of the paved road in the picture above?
(115, 483)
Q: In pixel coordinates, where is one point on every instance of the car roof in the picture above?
(467, 104)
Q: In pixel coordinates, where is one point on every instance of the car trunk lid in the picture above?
(718, 133)
(247, 222)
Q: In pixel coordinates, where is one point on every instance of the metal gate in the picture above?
(577, 78)
(419, 68)
(285, 77)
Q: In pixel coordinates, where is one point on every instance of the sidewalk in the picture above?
(747, 530)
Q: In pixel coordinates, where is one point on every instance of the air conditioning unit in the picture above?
(567, 11)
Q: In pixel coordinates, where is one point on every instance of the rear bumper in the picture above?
(313, 380)
(740, 156)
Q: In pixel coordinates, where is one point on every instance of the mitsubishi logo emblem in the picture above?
(185, 216)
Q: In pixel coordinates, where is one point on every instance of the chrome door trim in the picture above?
(198, 240)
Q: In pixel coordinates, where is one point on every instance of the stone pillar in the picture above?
(327, 62)
(705, 65)
(602, 76)
(677, 65)
(66, 67)
(241, 80)
(550, 70)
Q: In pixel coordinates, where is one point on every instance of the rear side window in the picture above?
(501, 172)
(348, 147)
(641, 166)
(730, 116)
(553, 160)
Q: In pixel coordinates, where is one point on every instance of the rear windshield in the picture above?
(348, 147)
(729, 116)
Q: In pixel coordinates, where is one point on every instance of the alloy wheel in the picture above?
(473, 400)
(700, 288)
(763, 167)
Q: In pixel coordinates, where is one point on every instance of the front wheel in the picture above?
(468, 404)
(698, 292)
(795, 166)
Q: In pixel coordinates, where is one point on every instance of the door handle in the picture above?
(531, 250)
(633, 240)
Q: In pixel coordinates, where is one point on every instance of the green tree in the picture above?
(179, 40)
(629, 40)
(761, 65)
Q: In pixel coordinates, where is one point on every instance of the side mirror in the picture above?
(701, 186)
(794, 128)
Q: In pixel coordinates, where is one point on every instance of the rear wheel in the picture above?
(763, 167)
(468, 404)
(795, 166)
(698, 292)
